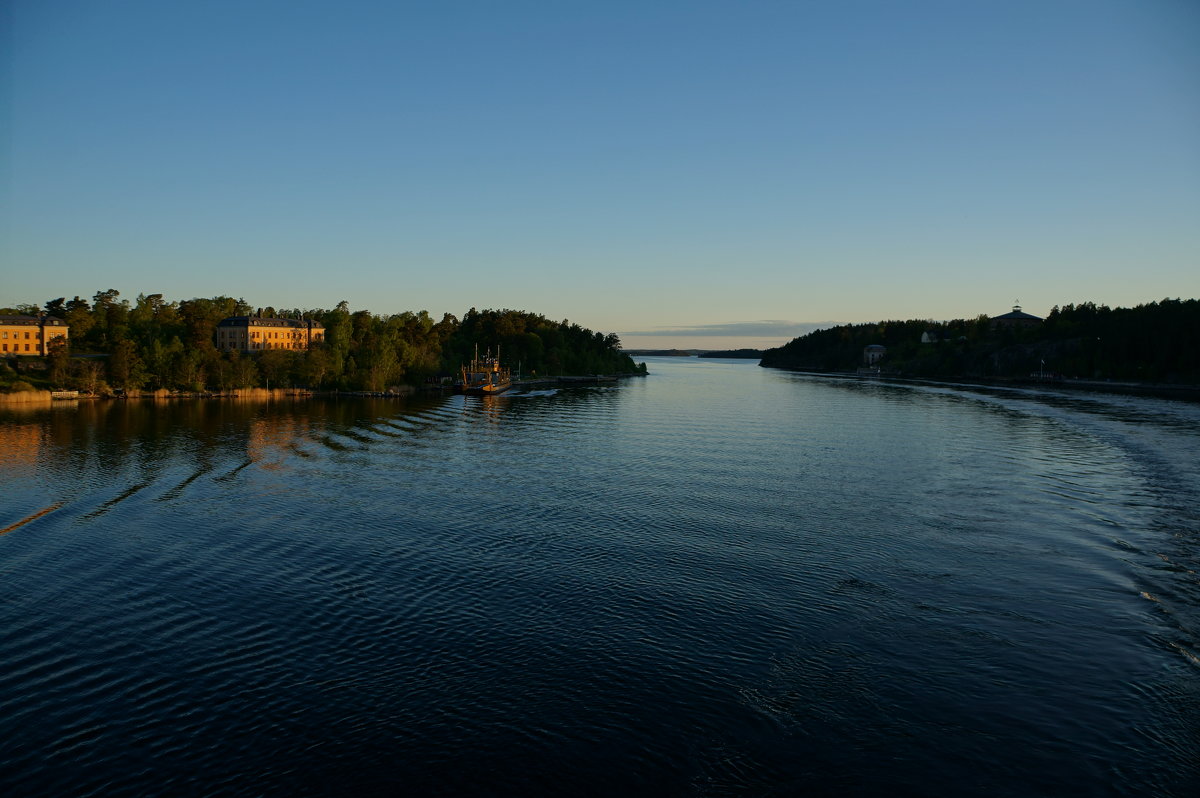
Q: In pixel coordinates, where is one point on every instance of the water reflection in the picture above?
(22, 443)
(720, 576)
(148, 430)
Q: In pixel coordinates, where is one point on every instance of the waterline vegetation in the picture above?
(118, 346)
(1158, 342)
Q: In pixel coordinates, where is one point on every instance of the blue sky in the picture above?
(730, 171)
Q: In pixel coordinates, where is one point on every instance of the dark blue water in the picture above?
(719, 580)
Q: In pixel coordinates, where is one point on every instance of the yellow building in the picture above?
(254, 334)
(30, 335)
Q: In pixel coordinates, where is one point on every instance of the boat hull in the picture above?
(484, 390)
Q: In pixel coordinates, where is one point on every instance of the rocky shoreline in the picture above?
(273, 394)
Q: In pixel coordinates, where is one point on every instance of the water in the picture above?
(719, 580)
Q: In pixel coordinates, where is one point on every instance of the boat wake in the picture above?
(531, 394)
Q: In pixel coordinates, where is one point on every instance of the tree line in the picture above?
(1153, 342)
(152, 343)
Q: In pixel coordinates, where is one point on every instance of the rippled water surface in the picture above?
(719, 580)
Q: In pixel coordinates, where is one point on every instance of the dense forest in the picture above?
(151, 343)
(1155, 342)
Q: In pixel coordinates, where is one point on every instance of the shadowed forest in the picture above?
(1155, 342)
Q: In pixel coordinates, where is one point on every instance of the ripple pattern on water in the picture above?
(720, 580)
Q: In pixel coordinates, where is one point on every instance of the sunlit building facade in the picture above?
(255, 334)
(30, 335)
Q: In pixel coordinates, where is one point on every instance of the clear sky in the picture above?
(731, 170)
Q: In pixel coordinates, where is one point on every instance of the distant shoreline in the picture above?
(742, 354)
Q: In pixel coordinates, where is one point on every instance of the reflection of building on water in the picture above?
(274, 440)
(21, 445)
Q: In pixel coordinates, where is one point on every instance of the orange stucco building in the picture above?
(30, 335)
(254, 334)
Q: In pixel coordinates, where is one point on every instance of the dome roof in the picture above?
(1017, 315)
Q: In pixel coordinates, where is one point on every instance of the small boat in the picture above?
(485, 376)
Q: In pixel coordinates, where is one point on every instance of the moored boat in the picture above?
(485, 376)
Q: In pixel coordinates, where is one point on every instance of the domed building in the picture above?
(1017, 319)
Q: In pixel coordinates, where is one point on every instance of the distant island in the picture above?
(113, 346)
(1158, 342)
(749, 354)
(663, 352)
(741, 354)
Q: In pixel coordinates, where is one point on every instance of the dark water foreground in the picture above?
(721, 580)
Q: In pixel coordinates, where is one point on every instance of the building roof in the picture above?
(256, 321)
(1017, 315)
(874, 348)
(34, 321)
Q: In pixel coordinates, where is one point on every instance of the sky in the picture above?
(685, 174)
